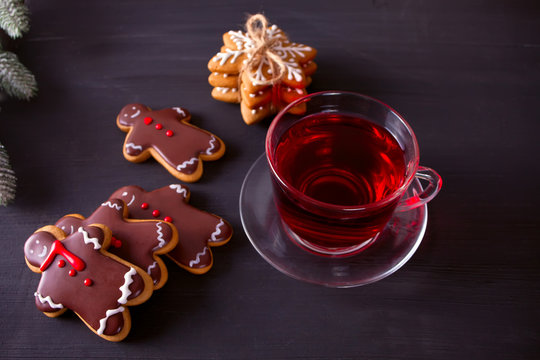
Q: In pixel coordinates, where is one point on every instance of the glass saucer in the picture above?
(264, 228)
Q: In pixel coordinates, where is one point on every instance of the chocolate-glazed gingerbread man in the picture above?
(168, 137)
(198, 229)
(78, 273)
(137, 241)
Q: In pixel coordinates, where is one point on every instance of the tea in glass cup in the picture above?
(340, 170)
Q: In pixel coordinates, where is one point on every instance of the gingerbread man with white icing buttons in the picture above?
(199, 230)
(78, 273)
(137, 241)
(168, 136)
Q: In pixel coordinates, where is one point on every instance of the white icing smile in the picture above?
(44, 252)
(132, 200)
(137, 113)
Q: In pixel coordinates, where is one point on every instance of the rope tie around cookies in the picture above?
(261, 69)
(262, 52)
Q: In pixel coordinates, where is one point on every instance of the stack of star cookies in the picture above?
(232, 81)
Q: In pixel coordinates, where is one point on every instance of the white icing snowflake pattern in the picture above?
(283, 47)
(223, 57)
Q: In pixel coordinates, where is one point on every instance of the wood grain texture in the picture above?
(466, 74)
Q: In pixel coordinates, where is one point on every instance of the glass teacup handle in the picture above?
(417, 199)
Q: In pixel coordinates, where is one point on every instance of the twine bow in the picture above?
(262, 51)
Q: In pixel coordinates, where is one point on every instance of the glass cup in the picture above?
(340, 170)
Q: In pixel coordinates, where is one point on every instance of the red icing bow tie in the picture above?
(58, 249)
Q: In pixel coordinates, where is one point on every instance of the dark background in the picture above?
(465, 74)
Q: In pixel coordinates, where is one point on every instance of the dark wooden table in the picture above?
(466, 74)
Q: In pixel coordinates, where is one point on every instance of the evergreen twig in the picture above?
(7, 179)
(14, 17)
(15, 79)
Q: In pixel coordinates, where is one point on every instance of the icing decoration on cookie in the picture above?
(198, 230)
(151, 267)
(161, 241)
(112, 206)
(179, 189)
(261, 59)
(138, 241)
(197, 258)
(116, 243)
(108, 314)
(217, 232)
(128, 280)
(48, 300)
(133, 146)
(180, 111)
(58, 249)
(179, 146)
(120, 284)
(88, 239)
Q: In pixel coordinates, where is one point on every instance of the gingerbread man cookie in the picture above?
(168, 136)
(198, 230)
(137, 241)
(78, 273)
(261, 69)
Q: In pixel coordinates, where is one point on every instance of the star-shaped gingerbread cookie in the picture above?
(198, 230)
(138, 241)
(78, 273)
(257, 99)
(168, 136)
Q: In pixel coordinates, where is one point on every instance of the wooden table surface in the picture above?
(465, 74)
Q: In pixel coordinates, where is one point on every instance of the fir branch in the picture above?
(14, 18)
(7, 179)
(15, 79)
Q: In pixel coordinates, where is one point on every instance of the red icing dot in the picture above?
(155, 213)
(169, 133)
(61, 263)
(144, 206)
(159, 126)
(116, 243)
(148, 120)
(88, 282)
(168, 219)
(72, 272)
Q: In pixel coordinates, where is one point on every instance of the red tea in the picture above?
(341, 160)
